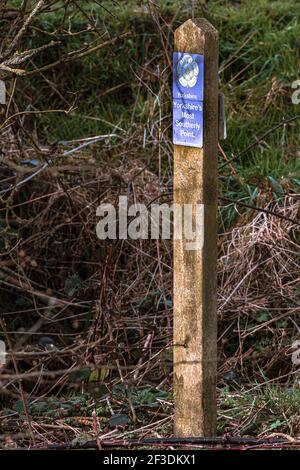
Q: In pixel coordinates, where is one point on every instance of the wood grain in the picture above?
(195, 313)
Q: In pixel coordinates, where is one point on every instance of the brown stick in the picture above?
(173, 441)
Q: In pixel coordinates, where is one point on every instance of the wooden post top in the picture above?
(192, 35)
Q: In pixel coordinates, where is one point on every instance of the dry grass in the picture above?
(107, 305)
(259, 289)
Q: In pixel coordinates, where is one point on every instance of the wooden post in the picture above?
(195, 313)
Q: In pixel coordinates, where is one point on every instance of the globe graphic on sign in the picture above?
(187, 71)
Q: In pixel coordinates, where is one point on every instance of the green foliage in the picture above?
(259, 410)
(72, 284)
(141, 396)
(258, 63)
(53, 407)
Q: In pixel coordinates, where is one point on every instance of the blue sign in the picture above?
(188, 93)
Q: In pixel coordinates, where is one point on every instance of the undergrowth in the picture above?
(100, 304)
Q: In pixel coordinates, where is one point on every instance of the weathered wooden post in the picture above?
(195, 137)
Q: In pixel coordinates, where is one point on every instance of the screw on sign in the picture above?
(195, 138)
